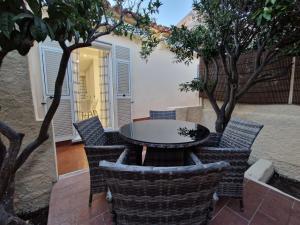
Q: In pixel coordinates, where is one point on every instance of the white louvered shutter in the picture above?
(62, 121)
(122, 56)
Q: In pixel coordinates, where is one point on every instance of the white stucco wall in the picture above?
(155, 84)
(279, 140)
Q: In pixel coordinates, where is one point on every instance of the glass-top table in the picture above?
(164, 141)
(164, 133)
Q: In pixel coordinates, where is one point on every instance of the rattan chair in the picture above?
(98, 145)
(233, 146)
(165, 115)
(162, 195)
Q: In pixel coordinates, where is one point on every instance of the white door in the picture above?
(123, 93)
(62, 121)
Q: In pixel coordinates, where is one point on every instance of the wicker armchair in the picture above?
(98, 145)
(163, 115)
(233, 146)
(162, 195)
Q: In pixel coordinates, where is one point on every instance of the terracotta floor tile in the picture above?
(220, 204)
(70, 157)
(262, 219)
(277, 206)
(253, 196)
(94, 221)
(99, 207)
(107, 217)
(295, 214)
(227, 217)
(256, 189)
(69, 205)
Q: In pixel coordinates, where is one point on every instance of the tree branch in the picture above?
(257, 71)
(43, 133)
(224, 59)
(79, 45)
(7, 167)
(2, 55)
(2, 152)
(216, 75)
(208, 93)
(237, 51)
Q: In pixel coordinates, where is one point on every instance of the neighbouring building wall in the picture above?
(35, 179)
(278, 141)
(155, 84)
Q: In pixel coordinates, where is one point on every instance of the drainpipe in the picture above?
(291, 94)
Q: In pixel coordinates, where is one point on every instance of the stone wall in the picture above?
(279, 140)
(35, 179)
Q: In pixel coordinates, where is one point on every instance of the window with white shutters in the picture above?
(122, 57)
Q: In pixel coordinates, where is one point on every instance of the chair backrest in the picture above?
(240, 133)
(91, 131)
(166, 115)
(162, 195)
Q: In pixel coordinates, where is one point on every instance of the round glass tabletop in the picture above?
(164, 133)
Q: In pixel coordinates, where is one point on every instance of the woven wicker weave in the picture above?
(99, 145)
(163, 115)
(233, 146)
(162, 195)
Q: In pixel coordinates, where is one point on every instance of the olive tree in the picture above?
(227, 29)
(73, 24)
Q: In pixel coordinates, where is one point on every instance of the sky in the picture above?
(172, 11)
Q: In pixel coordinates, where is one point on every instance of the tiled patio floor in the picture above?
(70, 157)
(69, 206)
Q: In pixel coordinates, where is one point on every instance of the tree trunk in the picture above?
(2, 55)
(7, 213)
(221, 122)
(219, 125)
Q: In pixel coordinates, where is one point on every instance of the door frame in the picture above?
(99, 45)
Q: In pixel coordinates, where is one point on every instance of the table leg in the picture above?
(144, 153)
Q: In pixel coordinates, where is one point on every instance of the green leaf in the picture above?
(267, 16)
(6, 23)
(39, 30)
(259, 19)
(50, 31)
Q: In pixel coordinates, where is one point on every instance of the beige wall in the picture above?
(155, 83)
(279, 140)
(35, 179)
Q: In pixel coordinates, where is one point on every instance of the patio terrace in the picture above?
(263, 206)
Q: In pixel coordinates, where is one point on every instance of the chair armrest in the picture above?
(213, 140)
(114, 138)
(237, 157)
(123, 157)
(219, 149)
(109, 153)
(194, 159)
(107, 147)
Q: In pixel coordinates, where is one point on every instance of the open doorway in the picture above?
(92, 86)
(92, 97)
